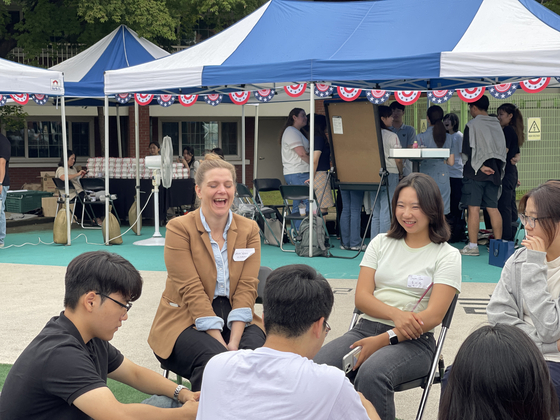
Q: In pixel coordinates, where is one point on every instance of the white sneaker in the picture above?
(467, 250)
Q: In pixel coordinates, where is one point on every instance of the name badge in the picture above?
(419, 282)
(243, 253)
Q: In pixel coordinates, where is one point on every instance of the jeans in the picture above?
(3, 195)
(351, 217)
(381, 219)
(385, 369)
(298, 179)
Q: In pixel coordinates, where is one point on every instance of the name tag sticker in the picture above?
(243, 253)
(418, 282)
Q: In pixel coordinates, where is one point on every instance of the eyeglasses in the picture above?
(327, 327)
(122, 305)
(530, 221)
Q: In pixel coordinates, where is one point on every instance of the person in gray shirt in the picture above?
(405, 133)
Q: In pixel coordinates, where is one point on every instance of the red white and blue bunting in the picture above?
(535, 85)
(187, 100)
(40, 99)
(20, 98)
(264, 95)
(295, 90)
(123, 98)
(472, 94)
(440, 96)
(3, 99)
(503, 91)
(165, 100)
(143, 99)
(240, 98)
(213, 99)
(348, 94)
(407, 97)
(323, 91)
(378, 96)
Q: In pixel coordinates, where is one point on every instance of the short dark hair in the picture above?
(454, 119)
(483, 103)
(546, 198)
(397, 105)
(499, 373)
(431, 203)
(154, 142)
(218, 151)
(101, 272)
(384, 112)
(295, 296)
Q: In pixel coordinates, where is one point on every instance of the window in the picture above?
(44, 139)
(203, 136)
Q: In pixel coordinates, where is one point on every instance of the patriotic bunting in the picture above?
(165, 100)
(471, 95)
(187, 100)
(240, 98)
(503, 91)
(3, 99)
(535, 85)
(295, 90)
(143, 99)
(440, 96)
(264, 95)
(123, 98)
(213, 99)
(322, 91)
(407, 97)
(378, 96)
(40, 99)
(348, 94)
(20, 98)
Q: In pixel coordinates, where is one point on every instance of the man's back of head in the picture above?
(295, 297)
(480, 106)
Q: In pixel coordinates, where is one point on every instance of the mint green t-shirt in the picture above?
(402, 274)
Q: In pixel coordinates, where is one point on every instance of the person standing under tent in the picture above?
(295, 155)
(405, 133)
(436, 137)
(484, 152)
(5, 154)
(189, 161)
(454, 218)
(381, 219)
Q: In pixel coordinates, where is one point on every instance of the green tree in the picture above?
(553, 5)
(12, 117)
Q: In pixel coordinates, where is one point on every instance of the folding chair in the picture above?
(264, 185)
(437, 368)
(251, 209)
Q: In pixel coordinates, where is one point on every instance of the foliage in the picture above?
(12, 117)
(553, 5)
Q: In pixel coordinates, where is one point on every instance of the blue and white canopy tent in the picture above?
(83, 76)
(408, 45)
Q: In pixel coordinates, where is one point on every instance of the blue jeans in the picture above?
(298, 179)
(351, 217)
(3, 195)
(381, 219)
(385, 369)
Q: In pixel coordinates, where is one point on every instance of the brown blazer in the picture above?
(191, 277)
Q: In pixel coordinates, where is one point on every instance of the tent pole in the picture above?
(311, 163)
(119, 130)
(256, 148)
(137, 150)
(106, 164)
(66, 180)
(243, 144)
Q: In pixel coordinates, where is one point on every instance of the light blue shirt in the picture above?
(406, 135)
(222, 284)
(456, 171)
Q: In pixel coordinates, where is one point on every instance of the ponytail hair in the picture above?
(435, 114)
(516, 121)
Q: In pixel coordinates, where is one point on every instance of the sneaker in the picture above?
(467, 250)
(344, 247)
(358, 248)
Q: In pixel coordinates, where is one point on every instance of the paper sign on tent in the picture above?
(534, 128)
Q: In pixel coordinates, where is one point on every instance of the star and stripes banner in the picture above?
(123, 98)
(472, 94)
(240, 98)
(407, 97)
(348, 94)
(378, 96)
(165, 100)
(20, 98)
(535, 85)
(440, 96)
(264, 95)
(187, 100)
(295, 90)
(3, 99)
(40, 99)
(213, 99)
(143, 99)
(503, 91)
(323, 91)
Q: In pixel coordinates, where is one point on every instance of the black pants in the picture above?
(506, 206)
(454, 218)
(193, 349)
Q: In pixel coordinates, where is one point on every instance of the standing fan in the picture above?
(162, 167)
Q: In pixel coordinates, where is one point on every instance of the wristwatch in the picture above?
(177, 391)
(393, 339)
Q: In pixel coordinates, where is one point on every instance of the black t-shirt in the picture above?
(468, 171)
(6, 153)
(322, 144)
(512, 144)
(56, 368)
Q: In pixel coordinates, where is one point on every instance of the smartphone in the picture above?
(350, 360)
